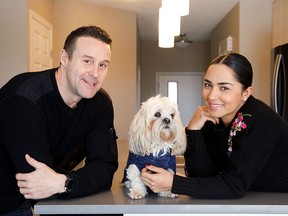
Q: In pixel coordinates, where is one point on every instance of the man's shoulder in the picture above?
(31, 85)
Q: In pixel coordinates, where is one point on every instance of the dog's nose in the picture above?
(166, 120)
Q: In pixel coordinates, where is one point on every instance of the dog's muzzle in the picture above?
(166, 120)
(167, 123)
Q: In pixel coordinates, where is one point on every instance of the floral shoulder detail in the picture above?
(238, 125)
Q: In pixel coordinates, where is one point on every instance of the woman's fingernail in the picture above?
(147, 165)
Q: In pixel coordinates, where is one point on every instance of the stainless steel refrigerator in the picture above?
(279, 88)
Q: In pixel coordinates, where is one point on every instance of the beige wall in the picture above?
(43, 7)
(256, 42)
(280, 27)
(194, 58)
(229, 26)
(250, 25)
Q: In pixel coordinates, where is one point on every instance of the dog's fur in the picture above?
(156, 135)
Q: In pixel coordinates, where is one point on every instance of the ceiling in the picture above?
(203, 17)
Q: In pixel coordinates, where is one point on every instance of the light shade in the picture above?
(165, 32)
(183, 7)
(180, 7)
(182, 41)
(170, 16)
(176, 24)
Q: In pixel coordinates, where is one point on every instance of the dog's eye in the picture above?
(172, 115)
(157, 114)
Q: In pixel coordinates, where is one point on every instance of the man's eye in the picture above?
(87, 61)
(157, 114)
(103, 65)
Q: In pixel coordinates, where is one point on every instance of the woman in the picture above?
(235, 142)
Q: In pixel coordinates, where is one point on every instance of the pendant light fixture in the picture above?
(182, 41)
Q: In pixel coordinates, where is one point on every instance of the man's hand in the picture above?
(41, 183)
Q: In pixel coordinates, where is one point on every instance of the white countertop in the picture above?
(116, 201)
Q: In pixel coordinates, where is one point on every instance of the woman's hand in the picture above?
(157, 179)
(199, 118)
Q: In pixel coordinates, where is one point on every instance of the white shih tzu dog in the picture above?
(156, 137)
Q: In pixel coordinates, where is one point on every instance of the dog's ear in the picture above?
(139, 135)
(179, 146)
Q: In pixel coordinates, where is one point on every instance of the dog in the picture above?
(156, 136)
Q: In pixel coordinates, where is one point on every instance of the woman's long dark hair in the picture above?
(240, 65)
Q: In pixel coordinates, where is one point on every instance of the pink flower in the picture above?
(237, 125)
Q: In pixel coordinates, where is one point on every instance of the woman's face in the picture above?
(222, 93)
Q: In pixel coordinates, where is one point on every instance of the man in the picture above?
(52, 119)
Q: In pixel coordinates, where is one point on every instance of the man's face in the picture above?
(87, 69)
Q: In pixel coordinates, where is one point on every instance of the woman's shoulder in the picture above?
(253, 103)
(258, 111)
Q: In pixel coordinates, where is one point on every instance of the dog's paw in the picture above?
(136, 194)
(127, 184)
(167, 194)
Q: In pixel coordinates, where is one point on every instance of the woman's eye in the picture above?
(207, 85)
(157, 114)
(224, 88)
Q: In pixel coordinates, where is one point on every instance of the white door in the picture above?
(40, 43)
(188, 91)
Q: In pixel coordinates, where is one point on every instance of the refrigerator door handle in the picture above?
(285, 88)
(275, 82)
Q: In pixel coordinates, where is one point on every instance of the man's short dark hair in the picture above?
(85, 31)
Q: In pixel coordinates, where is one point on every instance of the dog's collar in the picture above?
(160, 152)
